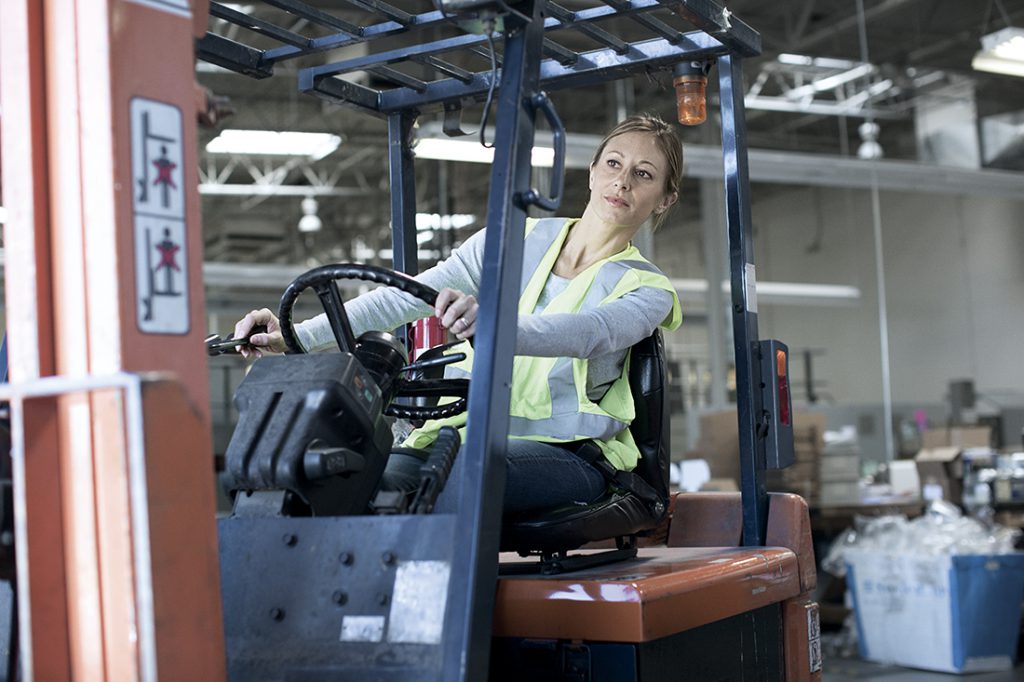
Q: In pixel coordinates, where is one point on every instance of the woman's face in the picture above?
(627, 182)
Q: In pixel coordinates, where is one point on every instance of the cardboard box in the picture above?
(957, 436)
(718, 442)
(800, 472)
(838, 493)
(839, 466)
(904, 479)
(942, 466)
(948, 613)
(809, 429)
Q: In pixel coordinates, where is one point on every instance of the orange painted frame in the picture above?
(69, 70)
(30, 330)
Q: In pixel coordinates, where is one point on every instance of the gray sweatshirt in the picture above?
(603, 335)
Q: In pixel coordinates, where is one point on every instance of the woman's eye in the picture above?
(613, 163)
(644, 174)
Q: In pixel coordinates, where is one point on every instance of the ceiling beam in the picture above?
(848, 23)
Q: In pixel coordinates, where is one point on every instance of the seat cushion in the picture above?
(615, 515)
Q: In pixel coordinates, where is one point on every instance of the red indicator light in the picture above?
(780, 375)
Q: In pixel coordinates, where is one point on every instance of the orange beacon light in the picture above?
(690, 80)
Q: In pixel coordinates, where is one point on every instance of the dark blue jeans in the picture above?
(538, 476)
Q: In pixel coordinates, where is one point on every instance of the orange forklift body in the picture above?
(700, 577)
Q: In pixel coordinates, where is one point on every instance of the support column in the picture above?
(44, 640)
(715, 268)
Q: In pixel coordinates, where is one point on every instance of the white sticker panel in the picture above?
(362, 629)
(750, 281)
(179, 7)
(813, 639)
(158, 204)
(418, 604)
(157, 169)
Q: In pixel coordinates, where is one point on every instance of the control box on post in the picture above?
(777, 424)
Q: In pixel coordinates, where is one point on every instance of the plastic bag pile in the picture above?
(943, 529)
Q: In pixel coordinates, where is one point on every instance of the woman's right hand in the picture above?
(269, 342)
(457, 312)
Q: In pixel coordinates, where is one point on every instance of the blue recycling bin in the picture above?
(945, 613)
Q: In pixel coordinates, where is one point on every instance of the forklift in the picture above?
(121, 558)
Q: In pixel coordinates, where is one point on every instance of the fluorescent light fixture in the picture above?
(819, 62)
(779, 292)
(273, 143)
(1001, 52)
(831, 82)
(436, 221)
(472, 152)
(795, 59)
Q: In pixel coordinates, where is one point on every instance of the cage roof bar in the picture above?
(259, 26)
(592, 67)
(315, 15)
(594, 32)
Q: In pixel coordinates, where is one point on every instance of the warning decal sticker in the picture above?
(161, 260)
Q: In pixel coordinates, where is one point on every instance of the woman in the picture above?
(587, 296)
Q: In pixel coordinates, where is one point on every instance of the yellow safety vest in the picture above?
(549, 399)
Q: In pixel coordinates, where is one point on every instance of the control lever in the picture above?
(433, 362)
(436, 469)
(215, 345)
(437, 357)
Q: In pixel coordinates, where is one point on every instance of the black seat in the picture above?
(629, 508)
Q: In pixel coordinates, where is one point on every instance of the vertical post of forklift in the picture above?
(403, 191)
(749, 406)
(469, 617)
(30, 330)
(90, 608)
(405, 254)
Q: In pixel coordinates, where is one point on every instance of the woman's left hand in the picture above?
(457, 312)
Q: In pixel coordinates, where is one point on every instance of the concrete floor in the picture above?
(854, 669)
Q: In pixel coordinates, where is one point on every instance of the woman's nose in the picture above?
(622, 180)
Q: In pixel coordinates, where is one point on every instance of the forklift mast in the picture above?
(118, 571)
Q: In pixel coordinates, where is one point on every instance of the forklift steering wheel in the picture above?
(323, 281)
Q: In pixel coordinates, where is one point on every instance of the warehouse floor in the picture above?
(844, 669)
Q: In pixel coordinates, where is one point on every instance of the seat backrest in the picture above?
(620, 513)
(648, 380)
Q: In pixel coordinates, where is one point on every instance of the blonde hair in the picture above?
(668, 142)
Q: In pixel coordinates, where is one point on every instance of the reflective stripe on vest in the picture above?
(549, 399)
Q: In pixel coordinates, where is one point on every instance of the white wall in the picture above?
(954, 279)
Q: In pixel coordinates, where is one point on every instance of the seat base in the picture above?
(566, 563)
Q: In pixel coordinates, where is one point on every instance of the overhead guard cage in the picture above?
(414, 72)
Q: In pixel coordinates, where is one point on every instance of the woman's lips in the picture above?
(616, 201)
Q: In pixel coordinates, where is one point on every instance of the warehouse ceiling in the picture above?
(919, 50)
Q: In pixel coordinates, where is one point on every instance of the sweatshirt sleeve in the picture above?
(388, 308)
(614, 326)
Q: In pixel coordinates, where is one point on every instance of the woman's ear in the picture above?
(590, 183)
(666, 202)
